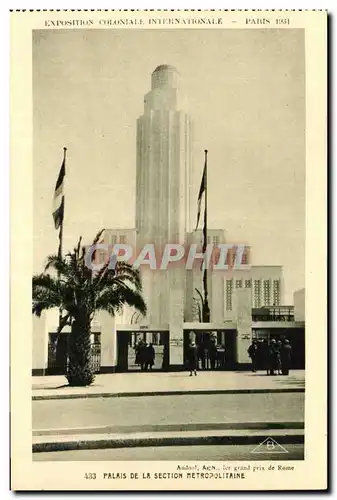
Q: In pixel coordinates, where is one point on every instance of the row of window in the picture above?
(118, 239)
(155, 338)
(266, 299)
(102, 255)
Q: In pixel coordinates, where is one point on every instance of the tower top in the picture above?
(164, 67)
(164, 76)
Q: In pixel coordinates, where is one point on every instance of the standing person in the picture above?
(192, 358)
(252, 352)
(137, 353)
(142, 356)
(285, 357)
(279, 368)
(273, 357)
(212, 353)
(221, 356)
(150, 356)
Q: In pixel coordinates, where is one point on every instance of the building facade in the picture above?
(174, 296)
(163, 172)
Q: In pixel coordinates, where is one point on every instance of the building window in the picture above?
(96, 338)
(245, 257)
(266, 292)
(103, 257)
(238, 284)
(122, 239)
(257, 293)
(248, 283)
(229, 293)
(113, 240)
(276, 292)
(215, 240)
(230, 257)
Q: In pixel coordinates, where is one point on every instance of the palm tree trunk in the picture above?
(80, 370)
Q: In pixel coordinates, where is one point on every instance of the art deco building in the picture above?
(163, 173)
(244, 304)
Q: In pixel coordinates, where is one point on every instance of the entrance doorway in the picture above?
(136, 349)
(216, 348)
(296, 339)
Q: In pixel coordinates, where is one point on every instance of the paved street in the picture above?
(178, 409)
(180, 453)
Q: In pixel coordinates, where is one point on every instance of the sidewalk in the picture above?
(57, 442)
(163, 384)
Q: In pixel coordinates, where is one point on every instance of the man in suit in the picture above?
(285, 357)
(192, 358)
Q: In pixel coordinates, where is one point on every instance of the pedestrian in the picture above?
(279, 346)
(252, 353)
(150, 356)
(138, 352)
(221, 356)
(142, 356)
(273, 357)
(285, 357)
(192, 358)
(212, 353)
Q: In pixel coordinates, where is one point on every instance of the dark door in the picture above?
(230, 349)
(122, 351)
(57, 354)
(296, 339)
(216, 349)
(134, 348)
(298, 349)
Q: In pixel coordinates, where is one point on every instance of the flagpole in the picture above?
(61, 224)
(206, 311)
(60, 250)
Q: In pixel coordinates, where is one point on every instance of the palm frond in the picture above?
(114, 300)
(98, 236)
(79, 290)
(56, 262)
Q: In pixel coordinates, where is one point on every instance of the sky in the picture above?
(245, 92)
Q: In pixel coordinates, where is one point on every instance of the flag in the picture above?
(201, 192)
(58, 211)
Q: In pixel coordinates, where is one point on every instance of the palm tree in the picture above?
(79, 293)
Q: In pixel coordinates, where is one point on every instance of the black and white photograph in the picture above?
(168, 292)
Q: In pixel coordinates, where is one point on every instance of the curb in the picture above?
(132, 429)
(174, 440)
(165, 393)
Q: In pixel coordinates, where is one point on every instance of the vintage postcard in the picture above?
(168, 283)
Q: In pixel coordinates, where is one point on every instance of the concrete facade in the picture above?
(163, 215)
(299, 305)
(163, 171)
(40, 345)
(243, 313)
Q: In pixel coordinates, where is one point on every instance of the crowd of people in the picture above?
(274, 357)
(211, 355)
(205, 355)
(145, 355)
